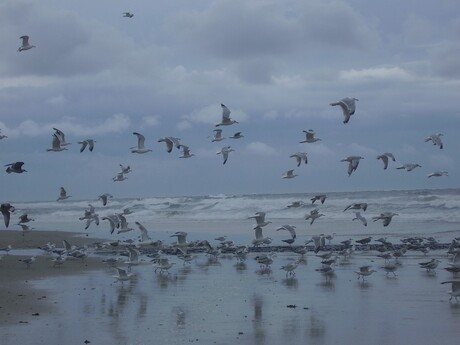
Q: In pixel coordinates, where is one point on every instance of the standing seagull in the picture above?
(224, 152)
(309, 137)
(15, 168)
(6, 209)
(226, 120)
(140, 144)
(63, 194)
(384, 157)
(25, 44)
(436, 139)
(300, 156)
(85, 143)
(353, 162)
(348, 107)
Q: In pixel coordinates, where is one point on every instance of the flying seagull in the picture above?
(226, 120)
(15, 168)
(237, 135)
(25, 43)
(56, 144)
(300, 156)
(128, 14)
(320, 197)
(353, 162)
(224, 152)
(170, 143)
(289, 174)
(61, 136)
(309, 137)
(348, 107)
(140, 144)
(87, 143)
(63, 195)
(185, 152)
(438, 174)
(409, 166)
(217, 135)
(385, 157)
(6, 209)
(358, 216)
(435, 139)
(386, 217)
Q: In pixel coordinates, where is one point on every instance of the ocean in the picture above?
(424, 212)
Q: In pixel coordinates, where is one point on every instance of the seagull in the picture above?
(364, 241)
(290, 228)
(361, 218)
(119, 177)
(314, 214)
(181, 238)
(384, 157)
(144, 233)
(140, 144)
(25, 228)
(300, 156)
(289, 268)
(104, 197)
(2, 136)
(15, 168)
(356, 206)
(123, 224)
(56, 145)
(123, 275)
(455, 290)
(438, 174)
(364, 271)
(310, 137)
(260, 219)
(435, 139)
(163, 265)
(390, 268)
(63, 195)
(237, 135)
(28, 261)
(289, 174)
(90, 216)
(353, 162)
(125, 170)
(320, 197)
(260, 238)
(409, 166)
(430, 265)
(296, 204)
(226, 120)
(6, 209)
(61, 136)
(225, 151)
(348, 107)
(6, 249)
(128, 15)
(186, 152)
(386, 217)
(113, 220)
(217, 135)
(85, 143)
(133, 256)
(24, 218)
(25, 44)
(170, 143)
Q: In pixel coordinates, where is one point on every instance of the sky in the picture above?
(277, 65)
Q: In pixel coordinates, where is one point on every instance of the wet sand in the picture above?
(222, 302)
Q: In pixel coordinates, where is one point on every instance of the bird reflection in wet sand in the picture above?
(259, 331)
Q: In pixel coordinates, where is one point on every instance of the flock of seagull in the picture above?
(118, 221)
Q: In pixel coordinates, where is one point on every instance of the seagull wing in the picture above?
(140, 140)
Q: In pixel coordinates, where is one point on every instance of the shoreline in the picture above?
(20, 300)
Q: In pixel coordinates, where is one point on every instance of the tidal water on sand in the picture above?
(219, 301)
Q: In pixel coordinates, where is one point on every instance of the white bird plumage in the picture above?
(348, 107)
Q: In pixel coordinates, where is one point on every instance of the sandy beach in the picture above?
(218, 301)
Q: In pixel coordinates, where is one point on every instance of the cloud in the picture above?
(374, 74)
(260, 148)
(115, 123)
(150, 121)
(444, 59)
